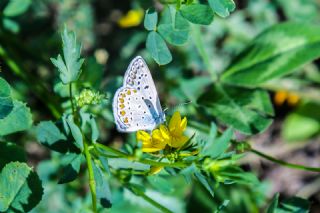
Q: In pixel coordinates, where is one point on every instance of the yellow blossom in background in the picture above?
(173, 135)
(132, 19)
(281, 96)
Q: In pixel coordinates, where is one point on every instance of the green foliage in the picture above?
(102, 187)
(294, 204)
(50, 136)
(70, 67)
(21, 188)
(10, 152)
(278, 51)
(197, 13)
(6, 104)
(75, 131)
(222, 7)
(151, 19)
(173, 27)
(303, 123)
(16, 7)
(19, 119)
(158, 48)
(247, 111)
(215, 148)
(71, 169)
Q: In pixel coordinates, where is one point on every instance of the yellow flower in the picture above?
(131, 19)
(174, 134)
(281, 96)
(151, 143)
(162, 136)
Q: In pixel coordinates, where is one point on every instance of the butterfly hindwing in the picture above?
(136, 104)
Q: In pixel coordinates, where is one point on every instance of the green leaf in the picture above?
(75, 132)
(163, 185)
(6, 104)
(173, 27)
(19, 119)
(123, 163)
(197, 13)
(214, 148)
(222, 7)
(246, 110)
(70, 68)
(278, 51)
(10, 152)
(158, 49)
(273, 205)
(71, 170)
(94, 130)
(20, 188)
(102, 187)
(303, 123)
(49, 135)
(203, 180)
(151, 19)
(294, 204)
(11, 25)
(16, 7)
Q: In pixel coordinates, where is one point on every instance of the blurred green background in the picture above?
(112, 33)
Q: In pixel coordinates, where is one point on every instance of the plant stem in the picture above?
(145, 161)
(283, 163)
(198, 41)
(140, 193)
(92, 183)
(71, 99)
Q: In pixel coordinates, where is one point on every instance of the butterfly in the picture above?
(136, 105)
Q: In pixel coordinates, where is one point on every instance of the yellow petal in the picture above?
(183, 124)
(157, 139)
(177, 142)
(143, 136)
(174, 121)
(155, 169)
(131, 19)
(164, 132)
(147, 149)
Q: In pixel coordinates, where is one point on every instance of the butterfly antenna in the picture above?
(177, 106)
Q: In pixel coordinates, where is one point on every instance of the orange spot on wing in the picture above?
(122, 113)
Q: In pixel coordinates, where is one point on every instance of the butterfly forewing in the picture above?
(136, 105)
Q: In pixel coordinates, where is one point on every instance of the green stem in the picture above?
(145, 161)
(71, 99)
(198, 41)
(92, 183)
(283, 163)
(140, 193)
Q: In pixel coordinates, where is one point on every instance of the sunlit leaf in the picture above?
(173, 27)
(75, 132)
(197, 13)
(70, 67)
(214, 148)
(16, 7)
(158, 49)
(20, 188)
(222, 7)
(102, 187)
(6, 104)
(278, 51)
(72, 168)
(151, 19)
(19, 119)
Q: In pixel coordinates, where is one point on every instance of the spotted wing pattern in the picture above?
(136, 104)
